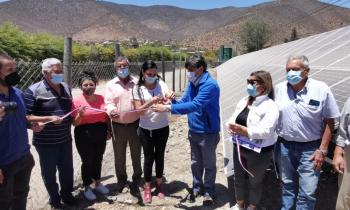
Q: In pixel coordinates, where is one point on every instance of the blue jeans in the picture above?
(57, 156)
(203, 158)
(296, 167)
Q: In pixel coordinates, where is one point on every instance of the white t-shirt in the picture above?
(152, 120)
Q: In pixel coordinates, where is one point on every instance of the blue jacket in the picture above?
(201, 103)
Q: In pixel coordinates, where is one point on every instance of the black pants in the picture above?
(153, 143)
(15, 188)
(256, 163)
(90, 140)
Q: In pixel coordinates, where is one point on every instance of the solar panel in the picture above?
(329, 56)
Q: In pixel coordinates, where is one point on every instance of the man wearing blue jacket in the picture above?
(201, 103)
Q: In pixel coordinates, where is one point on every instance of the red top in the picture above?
(90, 116)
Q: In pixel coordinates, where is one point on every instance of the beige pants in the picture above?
(343, 201)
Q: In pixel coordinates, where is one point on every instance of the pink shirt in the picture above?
(119, 96)
(90, 116)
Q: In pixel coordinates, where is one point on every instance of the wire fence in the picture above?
(172, 72)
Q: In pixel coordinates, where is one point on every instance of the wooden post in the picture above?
(117, 50)
(174, 66)
(67, 61)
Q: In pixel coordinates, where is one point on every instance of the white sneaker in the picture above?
(102, 189)
(236, 207)
(88, 194)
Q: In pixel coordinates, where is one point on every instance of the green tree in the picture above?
(254, 34)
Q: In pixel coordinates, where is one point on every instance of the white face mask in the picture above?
(191, 76)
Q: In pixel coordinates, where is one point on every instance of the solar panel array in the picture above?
(329, 56)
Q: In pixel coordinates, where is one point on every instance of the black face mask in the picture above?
(88, 91)
(11, 79)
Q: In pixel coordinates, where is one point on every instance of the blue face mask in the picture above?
(294, 77)
(123, 73)
(150, 80)
(56, 78)
(251, 90)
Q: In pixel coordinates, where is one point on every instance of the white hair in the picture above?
(48, 63)
(304, 60)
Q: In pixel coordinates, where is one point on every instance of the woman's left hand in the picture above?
(235, 128)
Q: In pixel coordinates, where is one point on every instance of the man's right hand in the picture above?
(114, 114)
(2, 178)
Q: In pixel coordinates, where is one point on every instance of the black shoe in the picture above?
(208, 200)
(70, 200)
(56, 206)
(192, 195)
(122, 187)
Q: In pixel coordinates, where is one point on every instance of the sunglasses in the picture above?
(253, 81)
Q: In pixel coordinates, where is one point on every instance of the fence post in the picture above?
(67, 61)
(163, 67)
(180, 66)
(174, 66)
(117, 50)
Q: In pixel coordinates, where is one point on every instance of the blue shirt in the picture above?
(43, 100)
(302, 114)
(13, 130)
(201, 103)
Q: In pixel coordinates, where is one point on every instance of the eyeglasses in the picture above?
(253, 81)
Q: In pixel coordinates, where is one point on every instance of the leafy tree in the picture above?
(254, 34)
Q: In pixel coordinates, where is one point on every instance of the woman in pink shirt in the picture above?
(91, 132)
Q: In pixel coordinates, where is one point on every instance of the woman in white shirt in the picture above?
(252, 125)
(154, 126)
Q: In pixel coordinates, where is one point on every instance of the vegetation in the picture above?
(21, 45)
(254, 34)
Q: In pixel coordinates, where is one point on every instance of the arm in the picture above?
(319, 155)
(204, 96)
(109, 102)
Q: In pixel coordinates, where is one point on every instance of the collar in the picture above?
(260, 99)
(131, 80)
(201, 79)
(304, 89)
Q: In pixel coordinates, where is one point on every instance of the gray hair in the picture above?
(304, 60)
(120, 59)
(48, 63)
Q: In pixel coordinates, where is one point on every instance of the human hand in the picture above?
(338, 160)
(56, 119)
(2, 112)
(156, 100)
(170, 95)
(318, 159)
(235, 128)
(81, 111)
(37, 126)
(114, 114)
(2, 177)
(160, 108)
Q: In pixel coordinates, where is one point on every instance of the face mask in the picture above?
(251, 90)
(56, 78)
(151, 80)
(12, 79)
(88, 91)
(191, 76)
(123, 73)
(294, 77)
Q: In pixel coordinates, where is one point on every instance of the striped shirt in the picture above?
(43, 100)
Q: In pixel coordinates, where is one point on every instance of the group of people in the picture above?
(291, 123)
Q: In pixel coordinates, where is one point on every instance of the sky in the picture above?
(207, 4)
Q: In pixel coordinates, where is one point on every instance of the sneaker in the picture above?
(147, 194)
(56, 206)
(236, 207)
(102, 189)
(88, 194)
(208, 200)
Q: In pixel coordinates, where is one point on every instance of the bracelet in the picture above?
(323, 151)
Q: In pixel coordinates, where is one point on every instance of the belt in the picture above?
(126, 124)
(282, 140)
